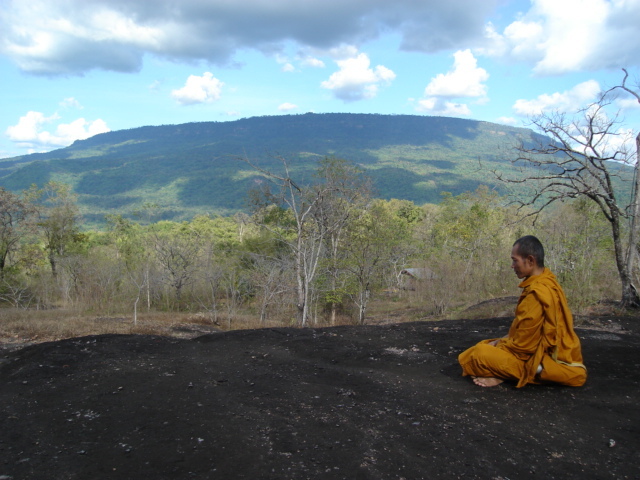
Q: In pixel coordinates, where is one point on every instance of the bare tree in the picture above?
(587, 155)
(16, 293)
(268, 275)
(305, 216)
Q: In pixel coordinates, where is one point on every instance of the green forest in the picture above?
(351, 250)
(200, 168)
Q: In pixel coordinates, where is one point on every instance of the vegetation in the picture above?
(195, 169)
(244, 271)
(580, 156)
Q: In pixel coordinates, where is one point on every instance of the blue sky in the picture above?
(72, 68)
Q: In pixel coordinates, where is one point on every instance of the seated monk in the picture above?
(541, 346)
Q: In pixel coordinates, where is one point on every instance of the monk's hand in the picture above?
(494, 342)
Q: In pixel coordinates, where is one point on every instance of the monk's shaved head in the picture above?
(530, 245)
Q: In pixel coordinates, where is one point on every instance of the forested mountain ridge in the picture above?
(196, 167)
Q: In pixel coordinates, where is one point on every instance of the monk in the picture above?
(541, 346)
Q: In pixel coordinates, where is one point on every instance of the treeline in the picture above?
(305, 254)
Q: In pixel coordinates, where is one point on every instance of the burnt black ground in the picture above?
(372, 402)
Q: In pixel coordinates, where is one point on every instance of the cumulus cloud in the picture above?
(287, 107)
(567, 101)
(30, 132)
(356, 80)
(559, 37)
(204, 89)
(464, 80)
(75, 36)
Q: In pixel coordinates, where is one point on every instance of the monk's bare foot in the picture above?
(487, 381)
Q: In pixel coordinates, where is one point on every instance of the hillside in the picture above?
(370, 402)
(197, 167)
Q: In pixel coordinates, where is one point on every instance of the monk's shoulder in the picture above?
(545, 290)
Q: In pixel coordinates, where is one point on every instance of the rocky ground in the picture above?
(373, 402)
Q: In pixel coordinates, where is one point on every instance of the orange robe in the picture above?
(541, 335)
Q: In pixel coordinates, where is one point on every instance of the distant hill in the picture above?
(196, 167)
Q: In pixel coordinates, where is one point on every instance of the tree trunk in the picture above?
(629, 293)
(52, 262)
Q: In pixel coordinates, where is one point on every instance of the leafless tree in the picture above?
(268, 275)
(588, 155)
(16, 293)
(310, 217)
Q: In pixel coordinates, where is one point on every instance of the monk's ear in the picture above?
(532, 260)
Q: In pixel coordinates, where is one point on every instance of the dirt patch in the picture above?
(371, 402)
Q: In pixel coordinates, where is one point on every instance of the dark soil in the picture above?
(373, 402)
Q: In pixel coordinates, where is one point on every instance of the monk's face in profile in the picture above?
(522, 266)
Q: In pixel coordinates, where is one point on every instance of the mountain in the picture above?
(197, 167)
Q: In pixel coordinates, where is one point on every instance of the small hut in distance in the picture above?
(409, 277)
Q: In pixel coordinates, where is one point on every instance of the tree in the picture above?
(15, 220)
(579, 249)
(370, 242)
(588, 154)
(348, 201)
(59, 219)
(132, 254)
(269, 276)
(177, 248)
(305, 216)
(464, 244)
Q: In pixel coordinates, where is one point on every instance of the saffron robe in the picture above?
(541, 346)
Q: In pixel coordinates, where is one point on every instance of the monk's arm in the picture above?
(526, 329)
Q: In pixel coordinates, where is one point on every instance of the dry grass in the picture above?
(18, 326)
(28, 326)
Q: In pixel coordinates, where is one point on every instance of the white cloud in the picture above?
(71, 103)
(507, 121)
(287, 107)
(465, 79)
(204, 89)
(439, 106)
(27, 128)
(356, 80)
(75, 36)
(572, 35)
(568, 101)
(302, 59)
(628, 103)
(309, 61)
(343, 52)
(29, 131)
